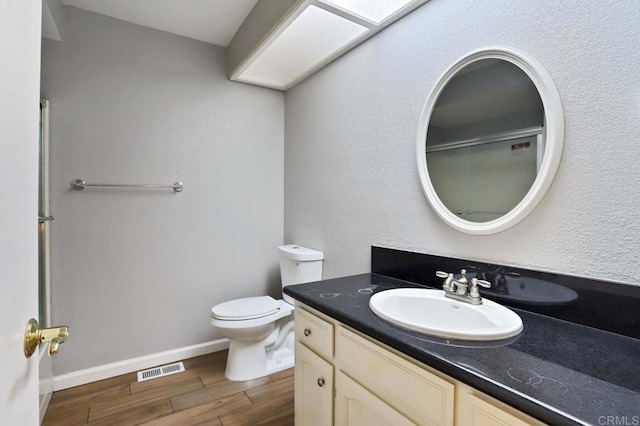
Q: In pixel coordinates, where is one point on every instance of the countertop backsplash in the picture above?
(604, 305)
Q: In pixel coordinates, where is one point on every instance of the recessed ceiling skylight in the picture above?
(372, 10)
(313, 36)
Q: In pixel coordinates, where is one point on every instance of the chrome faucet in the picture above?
(457, 288)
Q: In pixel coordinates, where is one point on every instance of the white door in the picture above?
(19, 126)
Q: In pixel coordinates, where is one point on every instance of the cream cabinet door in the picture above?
(313, 388)
(356, 406)
(474, 411)
(421, 396)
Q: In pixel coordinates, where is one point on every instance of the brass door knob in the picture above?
(34, 335)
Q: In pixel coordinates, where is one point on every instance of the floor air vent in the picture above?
(165, 370)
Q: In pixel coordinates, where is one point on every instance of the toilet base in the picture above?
(248, 361)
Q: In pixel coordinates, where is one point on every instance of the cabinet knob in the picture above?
(307, 331)
(321, 382)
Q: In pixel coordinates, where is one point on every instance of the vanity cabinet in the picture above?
(345, 378)
(314, 386)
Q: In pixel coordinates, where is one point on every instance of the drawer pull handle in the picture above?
(307, 331)
(321, 382)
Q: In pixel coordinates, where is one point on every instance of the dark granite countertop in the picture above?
(557, 371)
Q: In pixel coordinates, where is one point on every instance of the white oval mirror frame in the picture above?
(554, 135)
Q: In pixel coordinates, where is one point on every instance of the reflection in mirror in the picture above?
(490, 140)
(531, 292)
(514, 287)
(484, 140)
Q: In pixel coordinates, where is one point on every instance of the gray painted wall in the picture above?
(136, 272)
(351, 178)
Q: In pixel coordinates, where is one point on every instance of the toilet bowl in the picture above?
(254, 325)
(260, 329)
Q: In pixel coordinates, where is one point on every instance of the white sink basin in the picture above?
(430, 312)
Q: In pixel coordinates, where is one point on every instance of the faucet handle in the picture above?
(482, 283)
(448, 282)
(442, 274)
(474, 293)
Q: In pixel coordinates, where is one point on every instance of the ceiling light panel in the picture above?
(314, 36)
(374, 11)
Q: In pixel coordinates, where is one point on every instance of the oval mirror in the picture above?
(490, 140)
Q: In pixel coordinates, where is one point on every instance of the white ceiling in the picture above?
(212, 21)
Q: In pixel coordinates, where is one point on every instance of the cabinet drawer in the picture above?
(314, 332)
(416, 393)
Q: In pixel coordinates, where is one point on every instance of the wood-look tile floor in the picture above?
(199, 396)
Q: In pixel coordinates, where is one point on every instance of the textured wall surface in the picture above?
(136, 272)
(351, 178)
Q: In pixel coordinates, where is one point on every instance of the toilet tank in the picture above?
(299, 265)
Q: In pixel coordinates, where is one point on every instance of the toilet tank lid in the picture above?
(296, 252)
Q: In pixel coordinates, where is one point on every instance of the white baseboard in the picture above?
(106, 371)
(44, 404)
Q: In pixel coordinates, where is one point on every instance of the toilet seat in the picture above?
(246, 308)
(284, 309)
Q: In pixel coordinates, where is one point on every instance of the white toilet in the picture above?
(261, 328)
